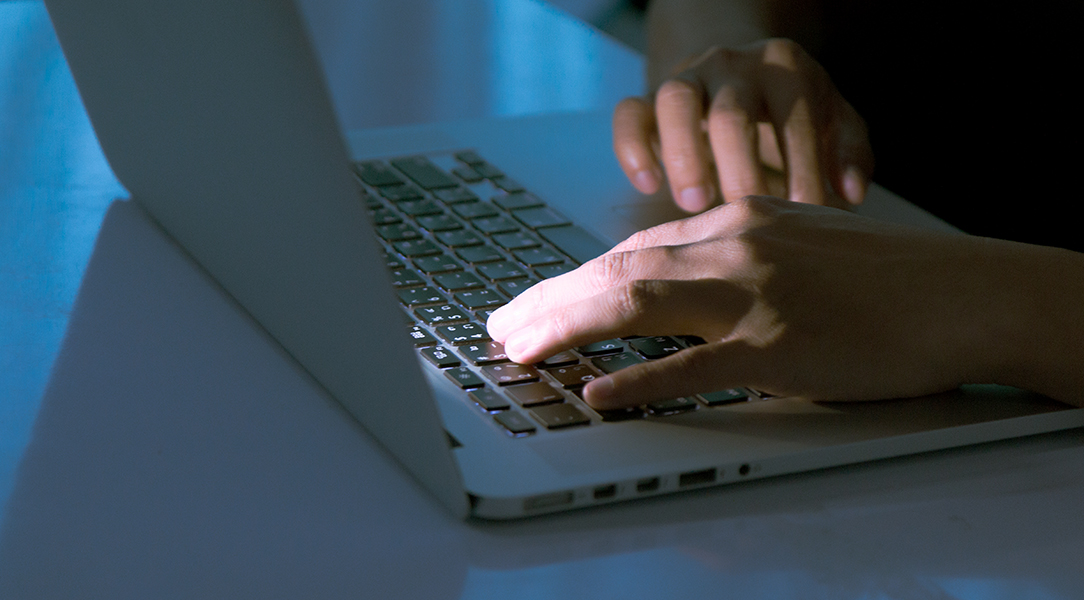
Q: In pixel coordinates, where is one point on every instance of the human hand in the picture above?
(794, 300)
(730, 121)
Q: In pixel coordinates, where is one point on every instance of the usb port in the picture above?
(697, 477)
(605, 491)
(647, 485)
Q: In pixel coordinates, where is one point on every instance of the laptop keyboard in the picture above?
(461, 239)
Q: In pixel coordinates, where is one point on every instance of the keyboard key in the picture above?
(515, 423)
(445, 313)
(538, 256)
(377, 174)
(603, 347)
(475, 299)
(464, 378)
(500, 271)
(440, 263)
(405, 278)
(440, 357)
(468, 174)
(417, 208)
(490, 353)
(511, 373)
(466, 333)
(454, 282)
(495, 225)
(616, 362)
(440, 222)
(517, 201)
(486, 170)
(575, 375)
(537, 218)
(479, 254)
(561, 359)
(517, 240)
(620, 414)
(424, 173)
(457, 194)
(384, 216)
(516, 287)
(548, 271)
(489, 399)
(655, 347)
(535, 394)
(509, 185)
(414, 248)
(460, 238)
(421, 337)
(670, 407)
(420, 296)
(397, 232)
(399, 193)
(475, 210)
(556, 416)
(722, 397)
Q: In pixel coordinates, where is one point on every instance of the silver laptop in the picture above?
(376, 271)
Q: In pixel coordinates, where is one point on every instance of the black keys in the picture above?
(489, 399)
(489, 353)
(464, 378)
(424, 173)
(466, 333)
(515, 423)
(671, 407)
(537, 218)
(377, 174)
(439, 315)
(655, 347)
(722, 397)
(535, 394)
(615, 362)
(420, 296)
(575, 375)
(440, 357)
(556, 416)
(511, 373)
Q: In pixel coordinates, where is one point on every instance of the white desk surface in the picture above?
(174, 452)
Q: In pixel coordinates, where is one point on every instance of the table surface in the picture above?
(215, 513)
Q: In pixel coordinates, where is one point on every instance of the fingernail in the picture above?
(600, 391)
(854, 185)
(646, 181)
(495, 322)
(695, 199)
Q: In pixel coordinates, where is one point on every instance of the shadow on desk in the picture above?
(179, 452)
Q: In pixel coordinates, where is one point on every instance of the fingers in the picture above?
(680, 107)
(634, 140)
(794, 105)
(853, 161)
(732, 130)
(697, 369)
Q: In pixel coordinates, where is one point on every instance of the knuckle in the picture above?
(610, 270)
(677, 92)
(637, 299)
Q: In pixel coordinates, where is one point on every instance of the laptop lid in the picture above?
(214, 115)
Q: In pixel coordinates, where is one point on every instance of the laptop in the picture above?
(375, 266)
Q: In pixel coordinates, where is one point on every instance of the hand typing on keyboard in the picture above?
(761, 119)
(807, 301)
